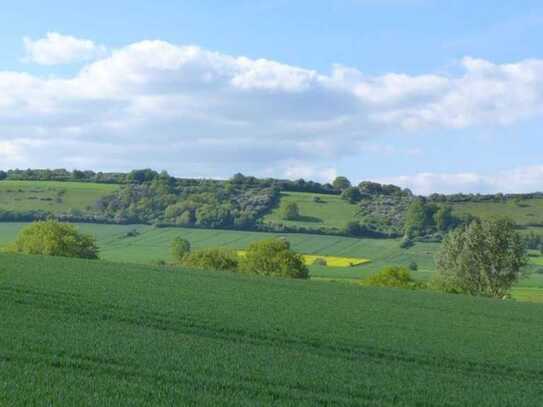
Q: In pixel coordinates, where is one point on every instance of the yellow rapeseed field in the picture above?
(331, 261)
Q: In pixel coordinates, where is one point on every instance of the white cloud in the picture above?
(56, 49)
(194, 111)
(517, 180)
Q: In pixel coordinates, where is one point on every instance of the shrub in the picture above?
(212, 259)
(406, 243)
(413, 266)
(273, 257)
(180, 248)
(319, 261)
(394, 276)
(52, 238)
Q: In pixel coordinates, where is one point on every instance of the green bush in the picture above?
(52, 238)
(393, 276)
(319, 261)
(413, 266)
(273, 257)
(180, 248)
(212, 259)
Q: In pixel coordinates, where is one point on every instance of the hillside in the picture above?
(51, 196)
(94, 333)
(241, 203)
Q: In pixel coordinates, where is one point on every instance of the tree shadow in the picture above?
(310, 219)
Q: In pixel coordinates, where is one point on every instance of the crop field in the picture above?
(331, 211)
(146, 245)
(50, 195)
(78, 332)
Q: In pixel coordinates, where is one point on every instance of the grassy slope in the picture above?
(95, 333)
(44, 195)
(530, 211)
(332, 212)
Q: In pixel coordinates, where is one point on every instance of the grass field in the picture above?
(526, 212)
(331, 211)
(91, 333)
(330, 261)
(50, 195)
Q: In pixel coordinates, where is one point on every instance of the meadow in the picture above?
(525, 212)
(84, 333)
(330, 211)
(53, 196)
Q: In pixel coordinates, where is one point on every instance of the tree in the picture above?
(415, 218)
(290, 211)
(484, 258)
(351, 195)
(444, 218)
(341, 183)
(3, 175)
(212, 259)
(273, 257)
(180, 248)
(52, 238)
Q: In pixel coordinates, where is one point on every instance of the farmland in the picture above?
(78, 332)
(51, 196)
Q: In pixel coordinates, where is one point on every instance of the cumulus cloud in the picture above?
(198, 112)
(56, 49)
(517, 180)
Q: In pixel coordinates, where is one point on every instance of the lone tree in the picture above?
(273, 257)
(52, 238)
(290, 211)
(341, 183)
(484, 258)
(180, 248)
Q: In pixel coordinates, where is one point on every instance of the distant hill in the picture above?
(242, 203)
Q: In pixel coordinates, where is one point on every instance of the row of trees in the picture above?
(271, 257)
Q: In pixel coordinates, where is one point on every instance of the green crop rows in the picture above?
(96, 333)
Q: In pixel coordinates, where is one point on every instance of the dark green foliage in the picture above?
(290, 211)
(533, 241)
(341, 183)
(180, 248)
(212, 259)
(351, 195)
(273, 257)
(484, 258)
(413, 266)
(319, 261)
(397, 277)
(51, 238)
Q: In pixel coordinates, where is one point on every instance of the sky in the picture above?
(436, 96)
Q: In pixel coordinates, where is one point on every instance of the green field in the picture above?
(51, 196)
(330, 212)
(525, 212)
(152, 244)
(90, 333)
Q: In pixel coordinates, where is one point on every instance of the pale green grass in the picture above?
(330, 212)
(527, 212)
(51, 196)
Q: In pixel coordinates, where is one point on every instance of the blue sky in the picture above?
(434, 95)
